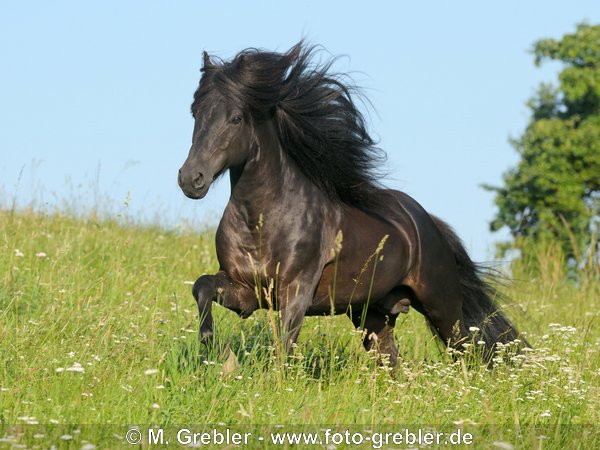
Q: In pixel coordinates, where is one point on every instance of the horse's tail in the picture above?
(479, 296)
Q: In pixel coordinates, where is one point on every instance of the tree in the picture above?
(554, 192)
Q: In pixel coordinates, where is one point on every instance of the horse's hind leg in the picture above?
(442, 306)
(379, 329)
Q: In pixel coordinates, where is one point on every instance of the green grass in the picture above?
(98, 331)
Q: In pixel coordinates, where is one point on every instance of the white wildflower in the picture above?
(76, 367)
(503, 445)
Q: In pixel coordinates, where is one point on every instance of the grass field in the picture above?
(98, 332)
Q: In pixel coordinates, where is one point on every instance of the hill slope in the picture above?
(98, 326)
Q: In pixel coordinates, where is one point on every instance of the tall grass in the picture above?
(98, 331)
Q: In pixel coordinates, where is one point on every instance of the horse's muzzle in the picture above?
(194, 187)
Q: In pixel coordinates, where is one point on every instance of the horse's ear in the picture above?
(207, 63)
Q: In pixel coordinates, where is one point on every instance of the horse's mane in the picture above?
(319, 124)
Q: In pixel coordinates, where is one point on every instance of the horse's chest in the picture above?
(277, 249)
(241, 250)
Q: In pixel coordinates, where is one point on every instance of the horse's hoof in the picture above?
(401, 306)
(206, 337)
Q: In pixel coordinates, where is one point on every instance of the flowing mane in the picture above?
(319, 124)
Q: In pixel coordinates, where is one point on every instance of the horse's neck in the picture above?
(267, 177)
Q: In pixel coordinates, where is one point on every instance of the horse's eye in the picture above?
(236, 119)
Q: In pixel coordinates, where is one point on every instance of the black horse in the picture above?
(307, 216)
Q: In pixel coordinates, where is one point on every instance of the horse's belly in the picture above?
(366, 272)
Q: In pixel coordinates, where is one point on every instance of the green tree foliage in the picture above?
(554, 192)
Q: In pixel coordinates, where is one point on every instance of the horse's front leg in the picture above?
(293, 307)
(219, 288)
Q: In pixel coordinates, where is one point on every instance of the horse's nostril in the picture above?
(198, 180)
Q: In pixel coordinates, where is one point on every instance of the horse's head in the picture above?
(222, 136)
(232, 97)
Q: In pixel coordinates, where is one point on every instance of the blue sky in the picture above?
(95, 96)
